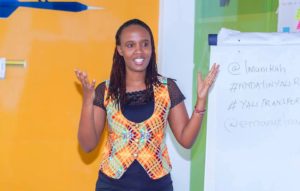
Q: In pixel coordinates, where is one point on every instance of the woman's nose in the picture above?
(139, 49)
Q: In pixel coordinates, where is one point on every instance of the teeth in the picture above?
(139, 60)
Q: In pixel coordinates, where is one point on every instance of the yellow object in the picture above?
(298, 15)
(16, 62)
(40, 104)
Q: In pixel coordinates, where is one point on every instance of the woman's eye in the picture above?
(145, 44)
(129, 45)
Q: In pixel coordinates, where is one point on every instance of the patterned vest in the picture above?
(144, 142)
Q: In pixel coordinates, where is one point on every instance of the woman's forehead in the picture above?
(134, 32)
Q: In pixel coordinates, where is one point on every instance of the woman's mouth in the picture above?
(138, 60)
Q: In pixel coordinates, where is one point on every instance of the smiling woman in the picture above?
(137, 103)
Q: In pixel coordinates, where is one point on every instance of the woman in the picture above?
(137, 103)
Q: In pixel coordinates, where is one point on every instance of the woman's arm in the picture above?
(92, 118)
(186, 129)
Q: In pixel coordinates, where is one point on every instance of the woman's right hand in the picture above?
(88, 87)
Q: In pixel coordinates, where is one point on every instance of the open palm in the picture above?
(88, 87)
(205, 84)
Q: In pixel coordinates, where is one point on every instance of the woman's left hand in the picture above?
(204, 85)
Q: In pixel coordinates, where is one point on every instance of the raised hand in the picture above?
(88, 87)
(205, 84)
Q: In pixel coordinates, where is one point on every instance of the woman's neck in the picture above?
(135, 81)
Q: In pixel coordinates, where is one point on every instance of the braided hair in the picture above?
(117, 85)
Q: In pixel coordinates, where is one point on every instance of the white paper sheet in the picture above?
(253, 123)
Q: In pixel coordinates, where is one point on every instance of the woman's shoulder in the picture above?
(176, 96)
(166, 80)
(101, 85)
(170, 82)
(100, 94)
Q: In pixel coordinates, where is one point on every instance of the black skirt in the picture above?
(134, 179)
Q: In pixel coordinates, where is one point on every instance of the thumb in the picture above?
(93, 83)
(200, 79)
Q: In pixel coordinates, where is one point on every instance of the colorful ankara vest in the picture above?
(144, 142)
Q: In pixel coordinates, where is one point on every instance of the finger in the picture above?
(76, 72)
(93, 83)
(212, 67)
(215, 68)
(213, 72)
(209, 77)
(85, 79)
(81, 77)
(213, 78)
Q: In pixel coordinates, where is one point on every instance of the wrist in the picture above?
(88, 100)
(200, 104)
(199, 111)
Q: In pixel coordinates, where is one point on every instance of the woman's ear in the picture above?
(120, 50)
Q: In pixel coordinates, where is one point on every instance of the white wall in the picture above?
(175, 60)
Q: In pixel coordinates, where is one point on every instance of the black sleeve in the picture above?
(99, 95)
(176, 95)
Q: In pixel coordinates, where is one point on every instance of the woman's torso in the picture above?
(139, 107)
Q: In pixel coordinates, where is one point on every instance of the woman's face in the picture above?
(136, 48)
